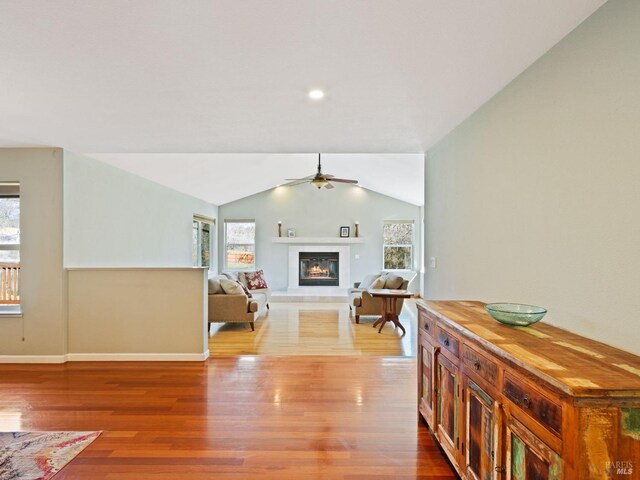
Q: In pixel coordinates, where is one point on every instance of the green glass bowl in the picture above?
(516, 314)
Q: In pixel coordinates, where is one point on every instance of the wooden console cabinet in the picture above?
(524, 403)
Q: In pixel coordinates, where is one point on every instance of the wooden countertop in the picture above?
(573, 364)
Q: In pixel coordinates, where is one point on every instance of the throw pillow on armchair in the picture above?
(255, 280)
(368, 281)
(393, 282)
(245, 290)
(231, 275)
(378, 283)
(230, 287)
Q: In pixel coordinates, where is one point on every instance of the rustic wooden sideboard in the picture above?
(526, 403)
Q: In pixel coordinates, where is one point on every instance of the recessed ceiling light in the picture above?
(316, 94)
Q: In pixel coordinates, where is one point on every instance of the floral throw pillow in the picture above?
(255, 280)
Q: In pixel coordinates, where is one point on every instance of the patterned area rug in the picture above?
(39, 455)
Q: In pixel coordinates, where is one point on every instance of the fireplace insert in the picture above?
(319, 269)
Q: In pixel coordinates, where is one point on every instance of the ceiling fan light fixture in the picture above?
(319, 182)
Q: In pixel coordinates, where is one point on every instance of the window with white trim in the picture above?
(239, 244)
(9, 247)
(397, 245)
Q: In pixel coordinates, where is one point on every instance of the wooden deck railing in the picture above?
(239, 258)
(9, 284)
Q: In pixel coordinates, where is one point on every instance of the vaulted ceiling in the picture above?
(229, 76)
(224, 177)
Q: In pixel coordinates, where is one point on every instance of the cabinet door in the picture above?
(425, 380)
(528, 457)
(482, 433)
(447, 405)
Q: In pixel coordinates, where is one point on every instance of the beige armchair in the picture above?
(235, 308)
(362, 303)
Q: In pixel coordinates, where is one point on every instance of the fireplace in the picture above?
(319, 269)
(338, 286)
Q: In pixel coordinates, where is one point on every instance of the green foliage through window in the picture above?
(201, 243)
(398, 245)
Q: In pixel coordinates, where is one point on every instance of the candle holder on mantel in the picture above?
(357, 224)
(279, 229)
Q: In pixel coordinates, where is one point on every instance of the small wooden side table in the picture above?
(389, 300)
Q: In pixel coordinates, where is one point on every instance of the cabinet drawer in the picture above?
(426, 323)
(447, 341)
(535, 404)
(480, 365)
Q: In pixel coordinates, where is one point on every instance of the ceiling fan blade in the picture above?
(318, 179)
(300, 181)
(343, 180)
(303, 178)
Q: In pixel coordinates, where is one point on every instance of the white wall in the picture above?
(116, 219)
(318, 213)
(536, 197)
(42, 329)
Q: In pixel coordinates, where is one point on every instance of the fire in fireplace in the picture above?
(319, 269)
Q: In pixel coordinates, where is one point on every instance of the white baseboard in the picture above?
(137, 357)
(33, 358)
(106, 357)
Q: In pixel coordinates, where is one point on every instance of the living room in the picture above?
(145, 149)
(345, 232)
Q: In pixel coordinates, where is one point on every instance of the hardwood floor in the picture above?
(316, 329)
(291, 417)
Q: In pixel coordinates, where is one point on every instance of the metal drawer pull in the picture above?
(526, 401)
(446, 342)
(477, 365)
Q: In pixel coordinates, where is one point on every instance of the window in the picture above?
(9, 246)
(202, 228)
(240, 244)
(397, 245)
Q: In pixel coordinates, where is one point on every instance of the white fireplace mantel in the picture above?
(317, 240)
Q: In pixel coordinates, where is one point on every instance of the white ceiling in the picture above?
(229, 76)
(223, 178)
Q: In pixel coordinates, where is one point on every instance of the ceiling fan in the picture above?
(319, 180)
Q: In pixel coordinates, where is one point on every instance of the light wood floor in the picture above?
(253, 417)
(315, 329)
